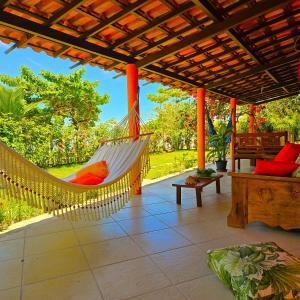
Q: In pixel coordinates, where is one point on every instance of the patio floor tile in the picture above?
(183, 217)
(53, 264)
(11, 249)
(168, 293)
(49, 242)
(10, 273)
(111, 251)
(10, 294)
(130, 213)
(98, 233)
(79, 286)
(129, 279)
(208, 287)
(161, 240)
(142, 225)
(48, 226)
(182, 264)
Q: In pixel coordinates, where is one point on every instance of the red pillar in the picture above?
(201, 127)
(233, 118)
(132, 92)
(251, 118)
(134, 126)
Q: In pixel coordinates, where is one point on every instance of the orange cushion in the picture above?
(275, 168)
(289, 152)
(87, 179)
(98, 169)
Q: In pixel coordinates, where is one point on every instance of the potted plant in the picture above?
(219, 147)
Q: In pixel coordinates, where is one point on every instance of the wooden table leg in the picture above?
(178, 195)
(198, 196)
(218, 187)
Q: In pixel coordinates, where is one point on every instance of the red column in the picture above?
(132, 92)
(233, 118)
(134, 125)
(251, 118)
(201, 127)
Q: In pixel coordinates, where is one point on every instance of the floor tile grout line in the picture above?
(22, 269)
(56, 277)
(90, 269)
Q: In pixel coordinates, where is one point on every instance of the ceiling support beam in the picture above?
(55, 18)
(217, 16)
(30, 27)
(253, 71)
(214, 29)
(154, 23)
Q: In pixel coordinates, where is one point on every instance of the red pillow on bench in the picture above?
(289, 152)
(87, 179)
(275, 168)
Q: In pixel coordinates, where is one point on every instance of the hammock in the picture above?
(22, 180)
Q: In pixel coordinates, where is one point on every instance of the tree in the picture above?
(63, 108)
(175, 119)
(68, 96)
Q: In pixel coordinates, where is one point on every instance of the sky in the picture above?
(117, 89)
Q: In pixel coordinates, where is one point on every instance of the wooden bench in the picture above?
(272, 200)
(260, 145)
(198, 187)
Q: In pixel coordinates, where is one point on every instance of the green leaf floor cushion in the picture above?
(259, 271)
(296, 173)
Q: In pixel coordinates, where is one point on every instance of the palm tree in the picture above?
(11, 102)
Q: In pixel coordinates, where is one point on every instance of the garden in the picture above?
(54, 120)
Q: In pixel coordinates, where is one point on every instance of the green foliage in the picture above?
(218, 148)
(11, 102)
(174, 123)
(12, 211)
(168, 94)
(281, 114)
(51, 118)
(205, 172)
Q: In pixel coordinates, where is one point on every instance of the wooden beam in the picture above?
(261, 91)
(276, 98)
(214, 29)
(114, 18)
(253, 71)
(154, 23)
(55, 18)
(30, 27)
(208, 7)
(212, 57)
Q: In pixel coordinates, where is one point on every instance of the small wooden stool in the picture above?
(198, 187)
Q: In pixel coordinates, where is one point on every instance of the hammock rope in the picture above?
(22, 180)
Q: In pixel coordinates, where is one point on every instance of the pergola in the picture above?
(245, 50)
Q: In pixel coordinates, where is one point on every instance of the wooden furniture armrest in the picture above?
(264, 177)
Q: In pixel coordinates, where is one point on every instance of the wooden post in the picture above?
(201, 127)
(251, 118)
(134, 125)
(233, 131)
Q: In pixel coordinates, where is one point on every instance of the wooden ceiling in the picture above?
(236, 48)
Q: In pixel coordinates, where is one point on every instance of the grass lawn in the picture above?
(161, 164)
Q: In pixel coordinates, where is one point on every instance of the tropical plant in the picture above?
(11, 102)
(218, 143)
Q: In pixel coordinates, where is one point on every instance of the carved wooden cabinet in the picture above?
(272, 200)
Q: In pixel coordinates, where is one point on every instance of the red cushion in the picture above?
(87, 179)
(275, 168)
(289, 152)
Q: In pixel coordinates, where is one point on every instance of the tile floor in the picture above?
(152, 249)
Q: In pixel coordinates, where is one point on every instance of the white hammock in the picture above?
(127, 159)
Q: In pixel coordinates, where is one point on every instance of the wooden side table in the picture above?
(198, 187)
